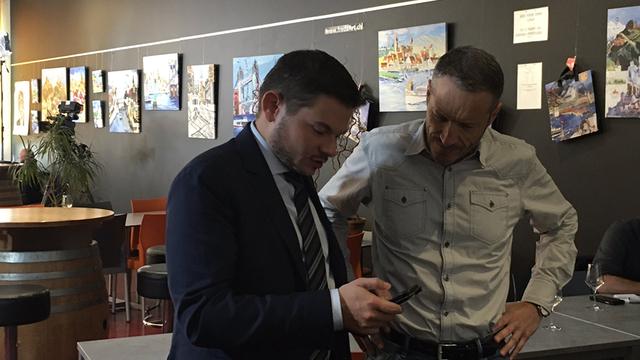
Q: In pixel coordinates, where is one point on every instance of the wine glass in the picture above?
(557, 299)
(66, 201)
(594, 280)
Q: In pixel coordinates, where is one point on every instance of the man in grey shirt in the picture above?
(446, 194)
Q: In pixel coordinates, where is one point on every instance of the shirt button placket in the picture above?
(448, 223)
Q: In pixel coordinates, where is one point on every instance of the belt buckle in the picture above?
(440, 347)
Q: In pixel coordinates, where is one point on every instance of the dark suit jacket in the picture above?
(236, 273)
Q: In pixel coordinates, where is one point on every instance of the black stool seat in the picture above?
(23, 304)
(152, 281)
(156, 255)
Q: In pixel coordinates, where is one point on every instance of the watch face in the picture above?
(542, 311)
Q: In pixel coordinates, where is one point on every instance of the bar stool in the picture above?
(20, 305)
(156, 255)
(152, 284)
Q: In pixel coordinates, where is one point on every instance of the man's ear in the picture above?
(270, 105)
(494, 113)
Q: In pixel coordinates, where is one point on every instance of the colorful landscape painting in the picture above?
(201, 99)
(406, 58)
(98, 120)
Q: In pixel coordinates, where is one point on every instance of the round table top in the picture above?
(49, 216)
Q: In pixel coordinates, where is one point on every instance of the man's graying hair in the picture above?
(473, 70)
(303, 75)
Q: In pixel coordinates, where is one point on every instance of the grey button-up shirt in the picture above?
(450, 229)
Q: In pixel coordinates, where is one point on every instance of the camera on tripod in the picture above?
(71, 109)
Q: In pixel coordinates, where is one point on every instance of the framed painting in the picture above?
(622, 84)
(97, 112)
(78, 90)
(406, 59)
(201, 100)
(124, 101)
(161, 82)
(97, 81)
(54, 90)
(35, 122)
(248, 74)
(35, 91)
(21, 105)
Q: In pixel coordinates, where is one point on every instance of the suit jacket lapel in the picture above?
(268, 196)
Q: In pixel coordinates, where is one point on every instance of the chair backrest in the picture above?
(152, 231)
(144, 205)
(354, 243)
(10, 194)
(106, 205)
(113, 244)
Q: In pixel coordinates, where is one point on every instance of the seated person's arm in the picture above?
(612, 255)
(619, 285)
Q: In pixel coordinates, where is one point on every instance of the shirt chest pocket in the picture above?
(404, 212)
(488, 215)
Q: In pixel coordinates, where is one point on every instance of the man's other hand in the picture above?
(518, 322)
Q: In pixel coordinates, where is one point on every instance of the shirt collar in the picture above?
(275, 165)
(418, 144)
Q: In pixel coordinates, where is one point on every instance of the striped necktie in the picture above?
(311, 249)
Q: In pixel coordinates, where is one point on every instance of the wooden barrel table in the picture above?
(53, 247)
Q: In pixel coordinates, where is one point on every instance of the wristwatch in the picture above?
(542, 311)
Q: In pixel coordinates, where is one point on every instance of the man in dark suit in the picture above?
(255, 271)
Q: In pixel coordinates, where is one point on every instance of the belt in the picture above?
(473, 349)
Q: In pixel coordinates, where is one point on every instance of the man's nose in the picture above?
(447, 136)
(330, 147)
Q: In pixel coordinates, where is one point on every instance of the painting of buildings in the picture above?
(201, 100)
(54, 90)
(248, 74)
(161, 82)
(124, 101)
(406, 59)
(78, 90)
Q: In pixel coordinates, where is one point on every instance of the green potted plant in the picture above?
(58, 165)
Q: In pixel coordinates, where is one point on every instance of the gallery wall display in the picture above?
(97, 81)
(21, 104)
(97, 112)
(572, 107)
(124, 101)
(35, 91)
(248, 74)
(78, 90)
(201, 100)
(622, 91)
(161, 82)
(54, 90)
(406, 58)
(35, 119)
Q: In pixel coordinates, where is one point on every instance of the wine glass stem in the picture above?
(594, 299)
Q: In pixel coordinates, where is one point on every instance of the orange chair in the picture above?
(354, 243)
(152, 232)
(142, 205)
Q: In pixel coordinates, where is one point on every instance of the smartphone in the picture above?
(607, 300)
(406, 295)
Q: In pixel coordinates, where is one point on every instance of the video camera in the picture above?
(70, 108)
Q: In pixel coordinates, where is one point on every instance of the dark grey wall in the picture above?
(596, 173)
